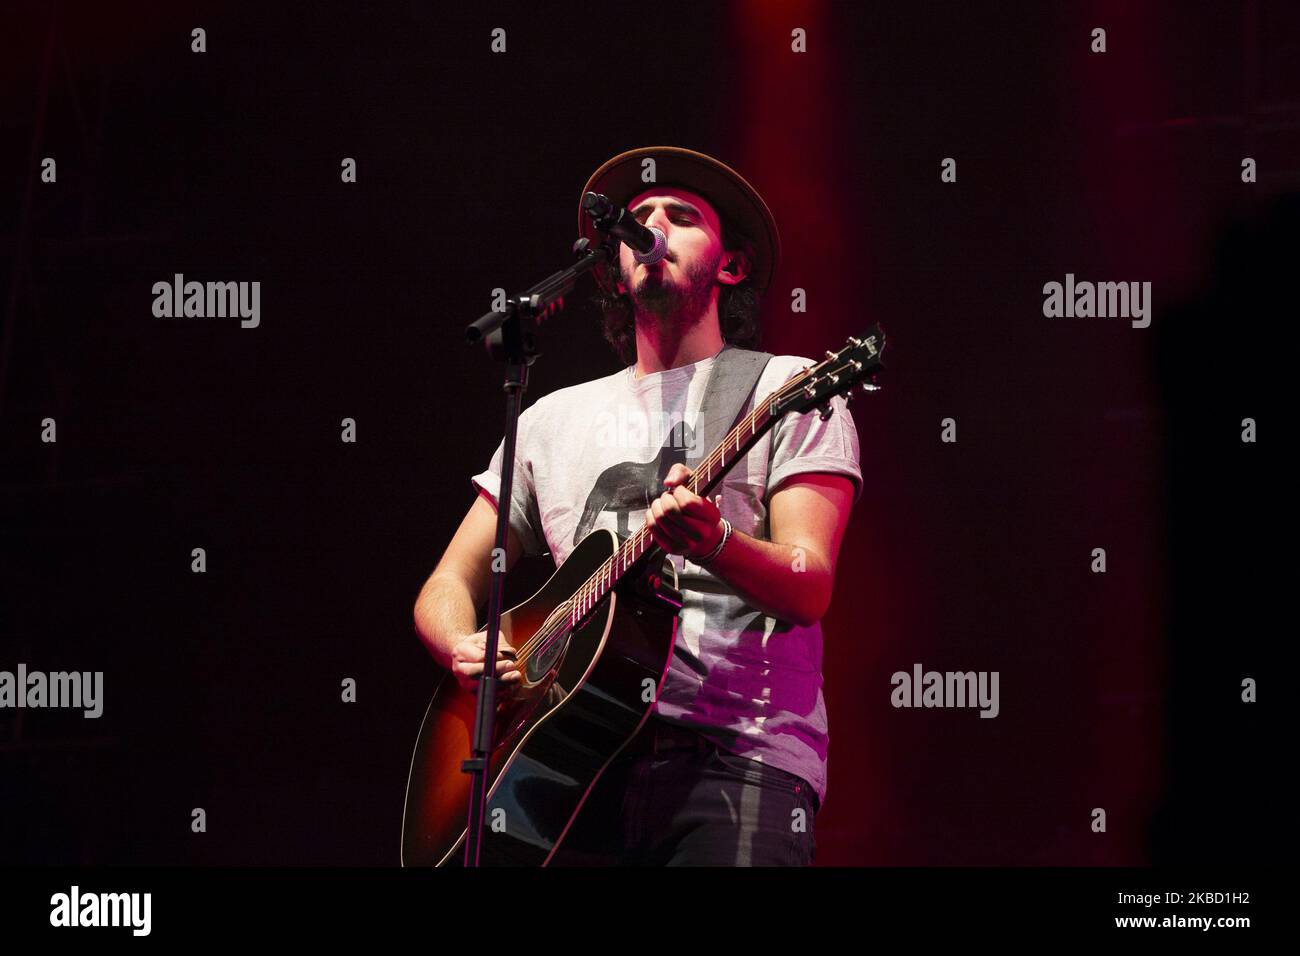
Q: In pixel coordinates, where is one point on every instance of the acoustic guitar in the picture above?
(593, 646)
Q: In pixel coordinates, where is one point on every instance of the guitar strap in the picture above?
(732, 381)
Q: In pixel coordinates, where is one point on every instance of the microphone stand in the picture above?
(506, 339)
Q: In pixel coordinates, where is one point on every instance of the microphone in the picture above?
(648, 245)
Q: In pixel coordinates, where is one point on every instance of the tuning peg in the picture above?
(827, 409)
(870, 387)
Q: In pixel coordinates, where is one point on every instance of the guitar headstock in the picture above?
(859, 360)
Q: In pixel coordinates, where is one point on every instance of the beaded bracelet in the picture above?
(726, 533)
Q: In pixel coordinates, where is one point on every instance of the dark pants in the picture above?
(671, 798)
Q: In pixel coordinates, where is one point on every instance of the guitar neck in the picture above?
(708, 475)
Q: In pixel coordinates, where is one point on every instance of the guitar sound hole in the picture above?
(541, 662)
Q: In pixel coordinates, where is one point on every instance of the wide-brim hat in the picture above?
(731, 196)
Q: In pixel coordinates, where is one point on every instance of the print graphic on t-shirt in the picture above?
(630, 486)
(752, 680)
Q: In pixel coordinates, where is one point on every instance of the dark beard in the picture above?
(661, 302)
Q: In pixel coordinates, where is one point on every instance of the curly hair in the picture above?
(738, 306)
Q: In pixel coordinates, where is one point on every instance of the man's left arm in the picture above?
(789, 577)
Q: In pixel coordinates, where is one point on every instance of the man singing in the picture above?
(729, 769)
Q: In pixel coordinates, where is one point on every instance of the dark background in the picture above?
(1119, 691)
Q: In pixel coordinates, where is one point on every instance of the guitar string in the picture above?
(548, 634)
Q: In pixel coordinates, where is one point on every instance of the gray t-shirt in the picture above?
(595, 455)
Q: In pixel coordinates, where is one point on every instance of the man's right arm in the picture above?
(446, 611)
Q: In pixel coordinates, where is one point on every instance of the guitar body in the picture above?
(578, 706)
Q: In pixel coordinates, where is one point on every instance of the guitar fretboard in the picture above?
(705, 477)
